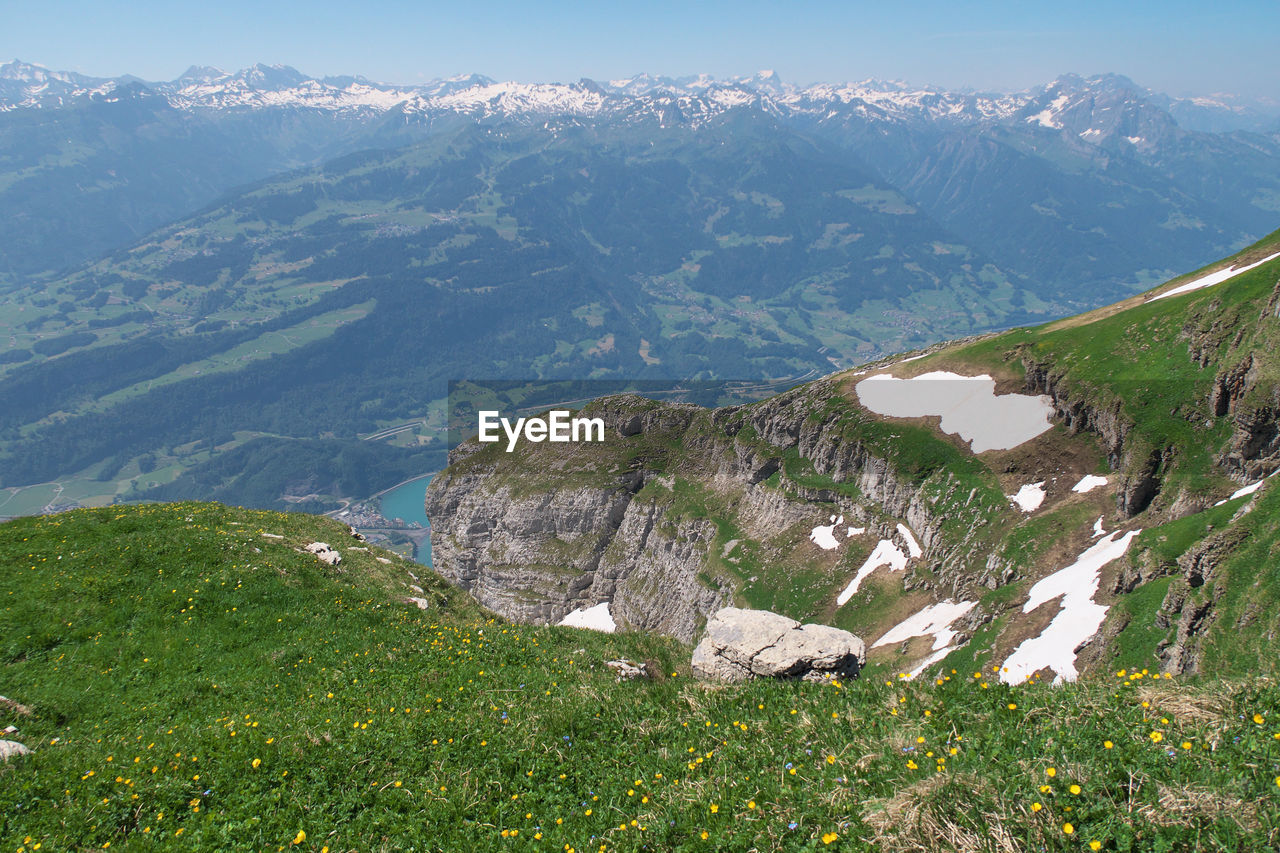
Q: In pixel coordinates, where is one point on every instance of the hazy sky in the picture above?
(1173, 46)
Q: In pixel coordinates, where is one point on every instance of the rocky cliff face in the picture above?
(537, 558)
(538, 553)
(1139, 465)
(1240, 390)
(1189, 606)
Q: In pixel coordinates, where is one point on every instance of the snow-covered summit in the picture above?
(1106, 109)
(24, 84)
(201, 74)
(26, 72)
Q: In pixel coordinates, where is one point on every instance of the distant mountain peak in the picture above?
(275, 76)
(473, 79)
(1098, 82)
(16, 69)
(202, 74)
(32, 73)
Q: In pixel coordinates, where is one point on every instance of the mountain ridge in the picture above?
(1150, 474)
(212, 88)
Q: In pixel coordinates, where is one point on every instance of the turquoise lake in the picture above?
(405, 502)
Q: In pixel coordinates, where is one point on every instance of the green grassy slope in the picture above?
(1157, 362)
(195, 684)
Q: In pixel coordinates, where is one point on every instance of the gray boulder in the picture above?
(324, 553)
(10, 749)
(743, 644)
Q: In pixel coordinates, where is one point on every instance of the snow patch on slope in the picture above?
(913, 547)
(824, 535)
(968, 407)
(596, 618)
(1246, 490)
(1079, 618)
(1088, 483)
(1049, 117)
(1029, 497)
(885, 554)
(1212, 278)
(934, 620)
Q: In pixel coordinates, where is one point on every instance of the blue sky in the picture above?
(1173, 46)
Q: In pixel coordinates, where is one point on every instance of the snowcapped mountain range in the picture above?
(1094, 108)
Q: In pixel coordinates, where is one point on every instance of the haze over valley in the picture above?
(266, 268)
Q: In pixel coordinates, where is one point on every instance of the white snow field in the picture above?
(824, 535)
(1029, 497)
(913, 547)
(968, 406)
(1246, 490)
(1079, 619)
(885, 554)
(1212, 278)
(934, 620)
(596, 618)
(1088, 483)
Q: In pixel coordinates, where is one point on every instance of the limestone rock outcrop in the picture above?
(324, 553)
(10, 749)
(744, 644)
